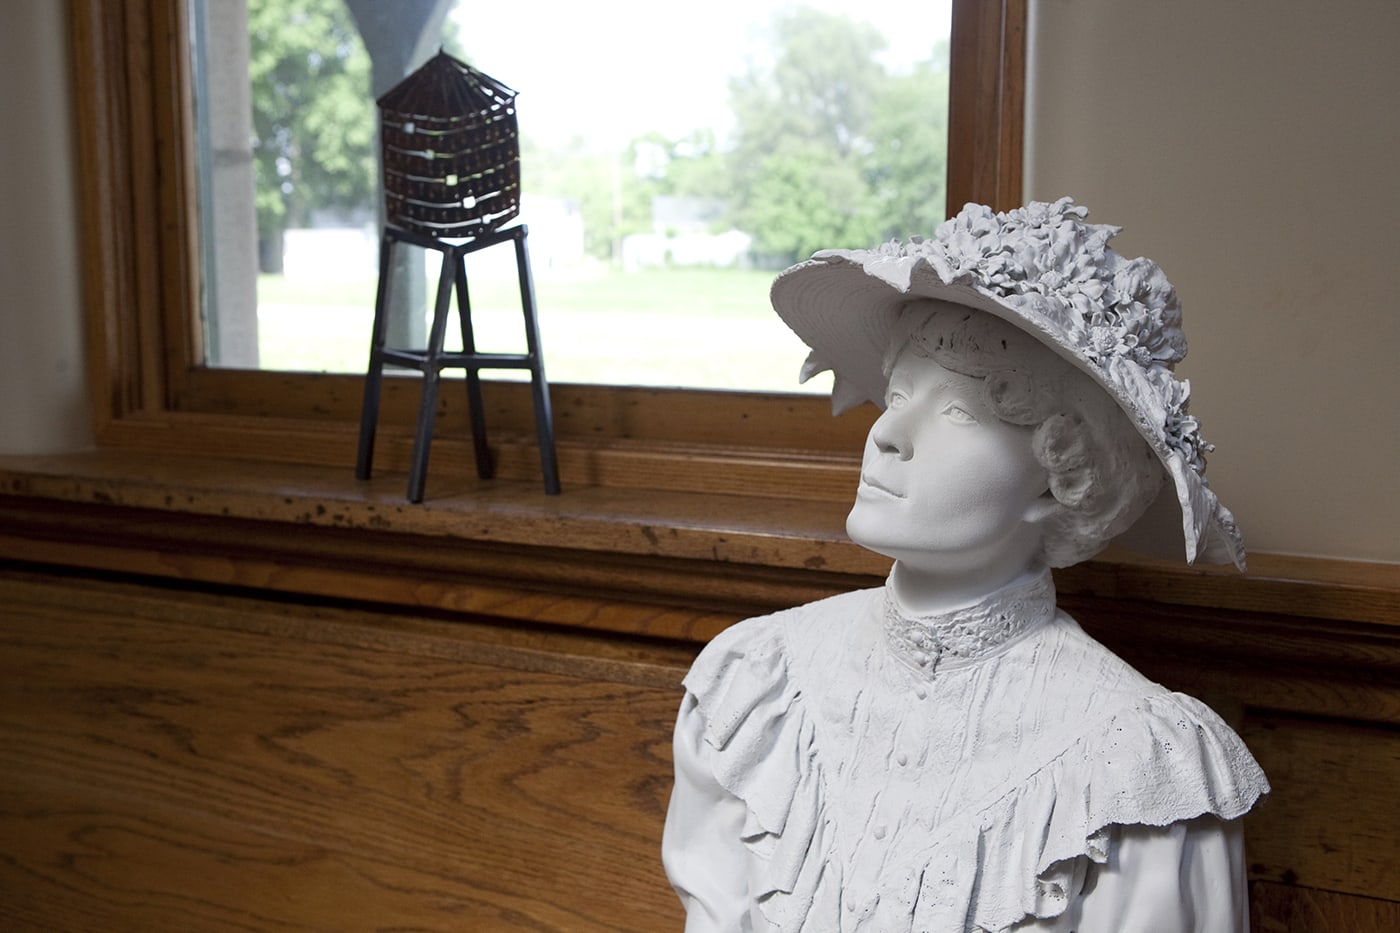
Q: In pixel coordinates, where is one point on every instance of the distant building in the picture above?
(343, 245)
(686, 232)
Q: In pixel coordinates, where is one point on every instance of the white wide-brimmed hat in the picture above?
(1047, 271)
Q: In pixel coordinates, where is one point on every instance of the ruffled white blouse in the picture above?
(844, 766)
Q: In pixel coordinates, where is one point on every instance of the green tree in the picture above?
(697, 167)
(907, 167)
(314, 120)
(831, 150)
(804, 201)
(800, 135)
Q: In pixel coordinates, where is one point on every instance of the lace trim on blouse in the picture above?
(923, 642)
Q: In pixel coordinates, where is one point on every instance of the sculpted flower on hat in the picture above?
(1152, 343)
(1105, 338)
(970, 244)
(1182, 431)
(1142, 291)
(1142, 280)
(1132, 332)
(893, 249)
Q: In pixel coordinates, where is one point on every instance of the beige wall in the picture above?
(43, 396)
(1252, 147)
(1248, 145)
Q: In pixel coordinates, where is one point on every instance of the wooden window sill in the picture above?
(673, 564)
(666, 563)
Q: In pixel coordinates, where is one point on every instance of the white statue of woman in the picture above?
(950, 752)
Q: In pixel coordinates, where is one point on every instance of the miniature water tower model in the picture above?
(451, 170)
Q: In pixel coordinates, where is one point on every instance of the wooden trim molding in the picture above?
(105, 151)
(319, 531)
(988, 55)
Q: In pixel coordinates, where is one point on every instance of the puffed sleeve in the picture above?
(701, 849)
(1187, 877)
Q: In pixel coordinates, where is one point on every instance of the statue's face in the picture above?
(946, 486)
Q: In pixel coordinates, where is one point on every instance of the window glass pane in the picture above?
(673, 157)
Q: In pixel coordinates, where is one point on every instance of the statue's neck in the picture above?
(923, 591)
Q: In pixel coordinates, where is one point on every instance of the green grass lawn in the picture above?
(703, 328)
(710, 292)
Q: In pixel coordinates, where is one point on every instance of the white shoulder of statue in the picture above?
(950, 752)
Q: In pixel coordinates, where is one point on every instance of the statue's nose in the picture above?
(891, 435)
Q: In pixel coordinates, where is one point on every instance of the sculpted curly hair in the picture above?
(1102, 474)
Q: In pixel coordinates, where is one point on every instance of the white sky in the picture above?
(614, 69)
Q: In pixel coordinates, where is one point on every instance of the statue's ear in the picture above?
(1041, 508)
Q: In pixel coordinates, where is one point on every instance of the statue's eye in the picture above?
(958, 414)
(896, 398)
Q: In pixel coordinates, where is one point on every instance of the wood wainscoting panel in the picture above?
(184, 757)
(1332, 818)
(1281, 908)
(176, 761)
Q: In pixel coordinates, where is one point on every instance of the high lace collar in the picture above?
(971, 632)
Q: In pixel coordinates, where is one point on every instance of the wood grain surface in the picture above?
(179, 759)
(1331, 821)
(1278, 908)
(187, 764)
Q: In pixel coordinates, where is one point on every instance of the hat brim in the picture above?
(845, 304)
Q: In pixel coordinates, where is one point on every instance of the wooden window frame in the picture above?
(153, 393)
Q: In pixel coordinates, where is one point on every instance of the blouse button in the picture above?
(903, 759)
(920, 691)
(880, 831)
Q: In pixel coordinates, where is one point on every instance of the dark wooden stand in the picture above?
(432, 361)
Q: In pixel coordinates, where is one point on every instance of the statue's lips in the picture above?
(875, 487)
